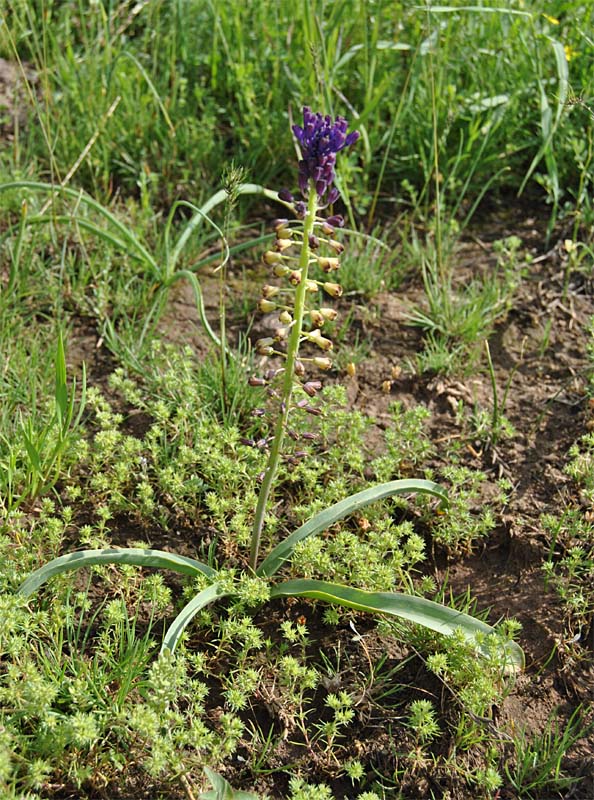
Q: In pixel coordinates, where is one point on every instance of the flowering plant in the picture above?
(303, 245)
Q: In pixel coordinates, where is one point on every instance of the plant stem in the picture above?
(287, 391)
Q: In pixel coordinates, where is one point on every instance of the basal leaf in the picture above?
(284, 550)
(419, 610)
(136, 556)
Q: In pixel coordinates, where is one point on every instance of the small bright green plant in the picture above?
(303, 248)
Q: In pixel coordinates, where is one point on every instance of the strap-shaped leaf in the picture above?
(222, 789)
(419, 610)
(284, 550)
(188, 612)
(136, 556)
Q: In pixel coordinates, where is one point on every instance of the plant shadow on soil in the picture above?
(548, 407)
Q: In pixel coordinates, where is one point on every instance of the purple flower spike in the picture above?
(320, 140)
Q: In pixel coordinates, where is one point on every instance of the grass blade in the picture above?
(284, 550)
(419, 610)
(136, 556)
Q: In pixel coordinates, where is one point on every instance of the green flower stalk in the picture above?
(320, 139)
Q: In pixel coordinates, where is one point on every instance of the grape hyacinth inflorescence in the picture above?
(302, 245)
(320, 139)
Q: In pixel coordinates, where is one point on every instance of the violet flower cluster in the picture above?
(320, 140)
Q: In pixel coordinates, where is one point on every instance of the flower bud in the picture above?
(321, 362)
(333, 289)
(329, 313)
(387, 387)
(280, 245)
(284, 232)
(311, 437)
(295, 277)
(314, 242)
(285, 195)
(351, 369)
(261, 444)
(270, 258)
(329, 264)
(336, 220)
(269, 291)
(264, 346)
(280, 223)
(338, 247)
(300, 209)
(280, 270)
(258, 412)
(285, 317)
(327, 229)
(317, 338)
(280, 334)
(316, 412)
(247, 442)
(266, 306)
(317, 319)
(255, 381)
(312, 388)
(299, 369)
(293, 434)
(311, 286)
(271, 374)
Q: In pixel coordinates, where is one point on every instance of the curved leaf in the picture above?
(284, 550)
(188, 612)
(137, 556)
(419, 610)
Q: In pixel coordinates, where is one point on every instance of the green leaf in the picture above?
(188, 612)
(61, 391)
(136, 556)
(419, 610)
(221, 789)
(284, 550)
